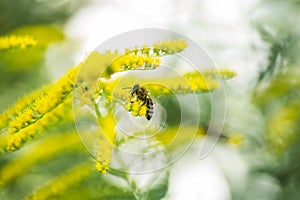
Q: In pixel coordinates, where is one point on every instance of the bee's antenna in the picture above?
(126, 88)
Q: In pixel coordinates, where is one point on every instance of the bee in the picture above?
(143, 95)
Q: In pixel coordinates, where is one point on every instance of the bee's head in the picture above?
(135, 88)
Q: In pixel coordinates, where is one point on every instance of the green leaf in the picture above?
(159, 188)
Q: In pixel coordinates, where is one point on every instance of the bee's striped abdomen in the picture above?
(149, 104)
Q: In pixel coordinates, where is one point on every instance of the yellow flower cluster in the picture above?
(20, 105)
(169, 47)
(131, 61)
(16, 42)
(102, 167)
(136, 107)
(113, 62)
(198, 83)
(61, 112)
(104, 144)
(135, 62)
(49, 98)
(103, 151)
(43, 110)
(143, 58)
(105, 88)
(222, 73)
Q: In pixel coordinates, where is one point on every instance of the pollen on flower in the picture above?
(143, 110)
(136, 107)
(16, 42)
(102, 167)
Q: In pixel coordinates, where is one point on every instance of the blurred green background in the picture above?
(260, 40)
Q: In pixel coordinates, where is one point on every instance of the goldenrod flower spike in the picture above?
(135, 62)
(198, 83)
(46, 102)
(188, 83)
(131, 61)
(142, 58)
(61, 112)
(48, 108)
(222, 73)
(15, 42)
(169, 47)
(192, 82)
(103, 151)
(13, 111)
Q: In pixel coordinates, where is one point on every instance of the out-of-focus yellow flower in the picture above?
(16, 42)
(53, 145)
(176, 136)
(4, 119)
(222, 73)
(158, 89)
(235, 139)
(281, 128)
(62, 182)
(199, 83)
